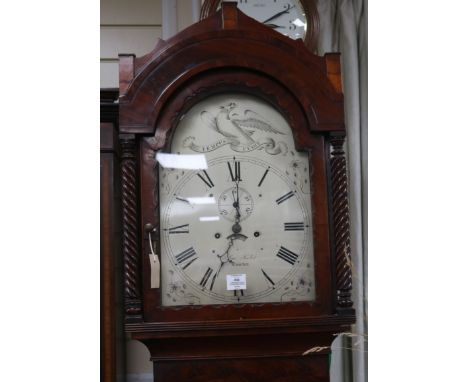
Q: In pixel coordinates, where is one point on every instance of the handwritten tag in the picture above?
(235, 282)
(155, 270)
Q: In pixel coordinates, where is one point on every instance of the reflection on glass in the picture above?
(299, 23)
(209, 218)
(186, 162)
(201, 200)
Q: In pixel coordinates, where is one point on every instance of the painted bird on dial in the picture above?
(239, 127)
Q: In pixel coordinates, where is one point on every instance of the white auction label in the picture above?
(235, 282)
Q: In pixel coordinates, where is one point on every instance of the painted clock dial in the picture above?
(285, 16)
(235, 199)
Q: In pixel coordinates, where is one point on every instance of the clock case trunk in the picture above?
(230, 52)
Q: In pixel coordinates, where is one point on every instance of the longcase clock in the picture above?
(235, 214)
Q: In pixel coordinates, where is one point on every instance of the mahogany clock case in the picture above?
(225, 53)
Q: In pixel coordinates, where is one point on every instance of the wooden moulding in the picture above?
(332, 61)
(207, 46)
(111, 316)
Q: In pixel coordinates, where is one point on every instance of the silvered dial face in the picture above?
(235, 200)
(286, 17)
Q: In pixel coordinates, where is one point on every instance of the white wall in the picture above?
(132, 26)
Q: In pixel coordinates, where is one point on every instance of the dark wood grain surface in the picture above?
(288, 369)
(112, 347)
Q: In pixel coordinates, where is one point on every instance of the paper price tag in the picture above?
(235, 282)
(155, 270)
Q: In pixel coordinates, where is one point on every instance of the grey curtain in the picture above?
(343, 28)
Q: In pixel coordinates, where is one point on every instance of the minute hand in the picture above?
(279, 14)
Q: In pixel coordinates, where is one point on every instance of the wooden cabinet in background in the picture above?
(112, 335)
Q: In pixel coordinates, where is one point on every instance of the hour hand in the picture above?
(274, 26)
(185, 200)
(182, 199)
(236, 202)
(217, 273)
(278, 14)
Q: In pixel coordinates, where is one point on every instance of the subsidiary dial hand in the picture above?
(236, 228)
(236, 202)
(279, 14)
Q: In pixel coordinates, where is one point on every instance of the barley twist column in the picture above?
(341, 222)
(130, 231)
